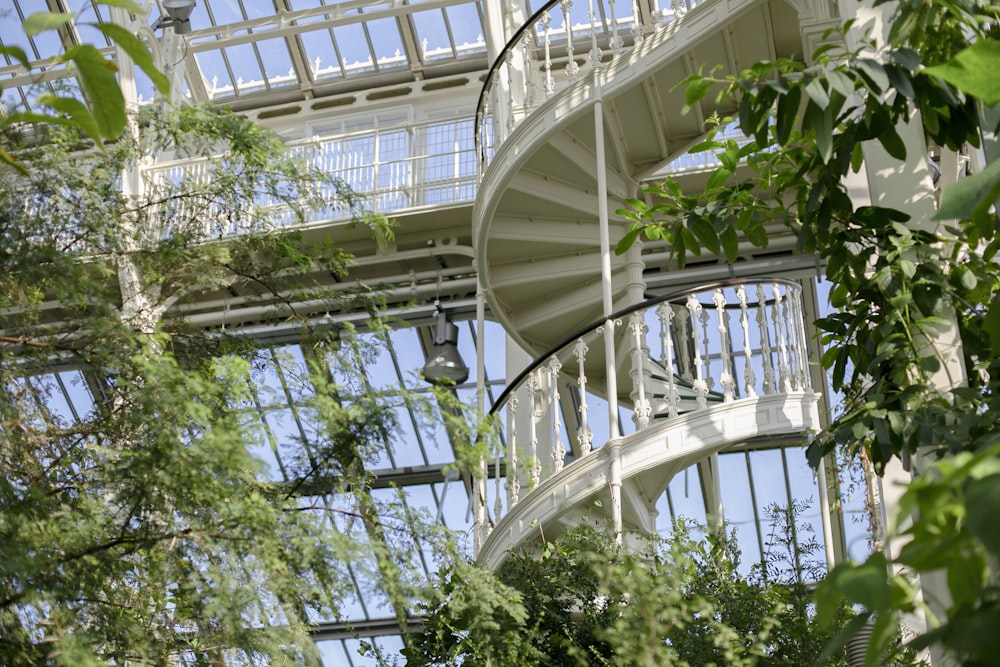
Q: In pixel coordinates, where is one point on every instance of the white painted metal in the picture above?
(667, 448)
(671, 395)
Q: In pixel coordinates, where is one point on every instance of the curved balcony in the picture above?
(718, 366)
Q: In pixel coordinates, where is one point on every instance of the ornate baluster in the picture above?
(484, 127)
(497, 502)
(765, 341)
(571, 67)
(595, 51)
(666, 316)
(584, 436)
(510, 88)
(802, 347)
(793, 320)
(700, 386)
(683, 338)
(706, 357)
(784, 379)
(749, 377)
(558, 449)
(637, 27)
(726, 378)
(637, 326)
(548, 86)
(534, 389)
(513, 478)
(527, 68)
(616, 40)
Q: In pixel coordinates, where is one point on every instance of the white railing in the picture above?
(556, 47)
(684, 352)
(393, 169)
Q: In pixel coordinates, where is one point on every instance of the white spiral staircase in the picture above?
(538, 245)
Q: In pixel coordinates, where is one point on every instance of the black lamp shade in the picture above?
(444, 363)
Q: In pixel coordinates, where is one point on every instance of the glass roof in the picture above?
(242, 47)
(253, 47)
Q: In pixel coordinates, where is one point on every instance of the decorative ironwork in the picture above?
(698, 342)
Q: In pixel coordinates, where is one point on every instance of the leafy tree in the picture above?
(98, 108)
(585, 600)
(138, 528)
(900, 286)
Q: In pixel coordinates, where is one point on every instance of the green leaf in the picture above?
(865, 584)
(688, 240)
(906, 58)
(730, 243)
(901, 81)
(819, 120)
(840, 82)
(982, 502)
(970, 197)
(706, 235)
(128, 5)
(730, 156)
(991, 325)
(892, 143)
(74, 110)
(626, 241)
(41, 21)
(17, 53)
(874, 73)
(97, 78)
(138, 52)
(9, 159)
(817, 93)
(788, 109)
(695, 90)
(974, 71)
(718, 178)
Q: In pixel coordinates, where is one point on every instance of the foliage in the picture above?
(137, 525)
(585, 600)
(100, 114)
(908, 293)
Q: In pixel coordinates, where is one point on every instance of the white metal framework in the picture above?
(504, 165)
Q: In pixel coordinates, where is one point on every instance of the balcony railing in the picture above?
(395, 169)
(554, 49)
(685, 352)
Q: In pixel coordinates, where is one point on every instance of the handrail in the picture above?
(391, 180)
(502, 58)
(621, 314)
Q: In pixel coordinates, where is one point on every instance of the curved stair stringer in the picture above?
(649, 459)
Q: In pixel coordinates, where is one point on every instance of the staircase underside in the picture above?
(536, 214)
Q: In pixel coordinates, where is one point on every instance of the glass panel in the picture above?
(683, 499)
(387, 42)
(466, 28)
(319, 49)
(433, 34)
(213, 68)
(278, 67)
(355, 56)
(246, 70)
(738, 506)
